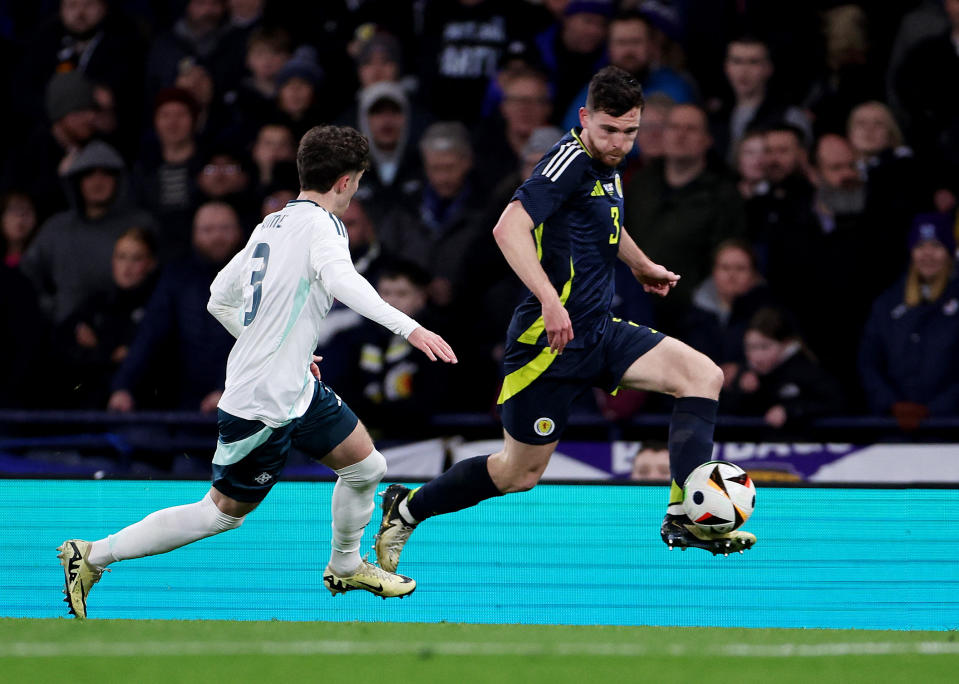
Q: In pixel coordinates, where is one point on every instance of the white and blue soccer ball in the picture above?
(719, 496)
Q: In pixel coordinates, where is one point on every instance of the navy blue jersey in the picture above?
(576, 204)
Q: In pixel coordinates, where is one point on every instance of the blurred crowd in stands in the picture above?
(797, 163)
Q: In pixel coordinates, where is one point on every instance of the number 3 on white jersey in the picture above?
(255, 289)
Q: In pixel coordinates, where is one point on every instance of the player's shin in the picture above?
(690, 442)
(352, 505)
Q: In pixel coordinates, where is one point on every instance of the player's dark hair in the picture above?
(327, 153)
(614, 91)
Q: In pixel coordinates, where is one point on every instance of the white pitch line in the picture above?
(41, 649)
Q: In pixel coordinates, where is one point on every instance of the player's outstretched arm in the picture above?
(431, 344)
(654, 278)
(513, 236)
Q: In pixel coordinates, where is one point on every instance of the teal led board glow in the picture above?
(559, 554)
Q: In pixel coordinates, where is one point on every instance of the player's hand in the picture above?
(559, 328)
(431, 344)
(656, 279)
(314, 368)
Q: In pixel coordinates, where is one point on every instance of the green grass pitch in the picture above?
(69, 651)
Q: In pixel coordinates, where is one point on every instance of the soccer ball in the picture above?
(719, 496)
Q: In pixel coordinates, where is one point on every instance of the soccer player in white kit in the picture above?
(272, 297)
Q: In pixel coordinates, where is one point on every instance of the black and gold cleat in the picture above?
(678, 531)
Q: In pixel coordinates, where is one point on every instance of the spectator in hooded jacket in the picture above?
(70, 258)
(907, 359)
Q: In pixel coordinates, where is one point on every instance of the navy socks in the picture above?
(690, 440)
(464, 485)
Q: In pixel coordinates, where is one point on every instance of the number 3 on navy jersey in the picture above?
(261, 251)
(614, 238)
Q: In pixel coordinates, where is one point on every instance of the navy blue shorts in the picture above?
(250, 455)
(539, 386)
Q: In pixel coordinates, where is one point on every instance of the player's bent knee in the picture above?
(369, 471)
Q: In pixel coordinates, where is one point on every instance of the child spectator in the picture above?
(18, 223)
(97, 338)
(781, 381)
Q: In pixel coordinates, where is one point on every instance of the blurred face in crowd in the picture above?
(629, 45)
(869, 128)
(198, 82)
(216, 232)
(446, 171)
(245, 9)
(82, 16)
(609, 138)
(378, 68)
(401, 293)
(584, 32)
(359, 227)
(762, 353)
(748, 68)
(387, 123)
(526, 104)
(751, 158)
(733, 272)
(78, 127)
(784, 155)
(223, 175)
(273, 144)
(952, 11)
(687, 137)
(649, 139)
(295, 96)
(264, 61)
(931, 259)
(651, 464)
(174, 123)
(836, 163)
(19, 220)
(98, 187)
(204, 16)
(132, 262)
(275, 201)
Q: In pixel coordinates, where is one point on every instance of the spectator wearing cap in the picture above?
(194, 38)
(907, 358)
(499, 140)
(573, 50)
(463, 41)
(631, 47)
(395, 172)
(70, 259)
(37, 163)
(165, 174)
(297, 89)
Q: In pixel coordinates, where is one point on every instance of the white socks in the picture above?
(163, 531)
(352, 507)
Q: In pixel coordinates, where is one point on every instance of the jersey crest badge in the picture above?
(544, 426)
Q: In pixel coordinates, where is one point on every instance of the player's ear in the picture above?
(342, 183)
(583, 116)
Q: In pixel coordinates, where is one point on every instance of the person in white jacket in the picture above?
(273, 297)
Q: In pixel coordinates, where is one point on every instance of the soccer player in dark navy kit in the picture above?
(561, 233)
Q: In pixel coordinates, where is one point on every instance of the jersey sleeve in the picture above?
(226, 294)
(554, 179)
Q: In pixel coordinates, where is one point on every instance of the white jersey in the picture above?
(273, 296)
